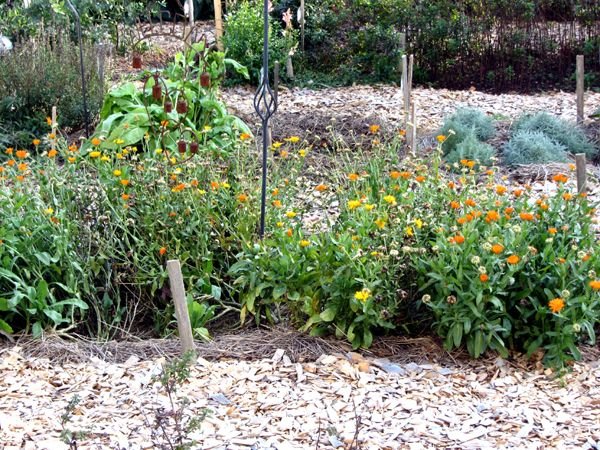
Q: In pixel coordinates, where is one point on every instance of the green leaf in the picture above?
(457, 332)
(367, 338)
(328, 314)
(278, 291)
(5, 327)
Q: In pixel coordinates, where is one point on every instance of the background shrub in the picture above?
(473, 149)
(463, 123)
(42, 73)
(533, 147)
(559, 130)
(243, 38)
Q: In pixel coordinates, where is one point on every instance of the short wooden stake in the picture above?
(54, 119)
(289, 67)
(301, 19)
(276, 79)
(218, 25)
(580, 88)
(181, 307)
(581, 172)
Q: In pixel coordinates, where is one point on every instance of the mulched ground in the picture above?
(281, 390)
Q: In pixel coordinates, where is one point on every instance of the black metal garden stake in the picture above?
(265, 105)
(83, 88)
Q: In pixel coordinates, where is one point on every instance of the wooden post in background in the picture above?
(301, 19)
(404, 85)
(581, 172)
(579, 74)
(403, 42)
(218, 25)
(181, 309)
(413, 131)
(411, 61)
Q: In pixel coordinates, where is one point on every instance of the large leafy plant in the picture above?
(179, 105)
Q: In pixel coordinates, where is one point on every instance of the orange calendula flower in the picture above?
(172, 214)
(567, 196)
(483, 277)
(321, 188)
(470, 202)
(20, 178)
(394, 174)
(72, 148)
(459, 239)
(96, 142)
(374, 129)
(440, 138)
(492, 216)
(22, 167)
(560, 178)
(509, 210)
(9, 151)
(214, 185)
(36, 142)
(162, 251)
(595, 285)
(71, 159)
(125, 182)
(501, 190)
(353, 176)
(194, 183)
(49, 121)
(52, 153)
(289, 232)
(180, 187)
(497, 249)
(242, 198)
(21, 154)
(513, 259)
(125, 197)
(552, 230)
(11, 162)
(276, 203)
(402, 133)
(526, 216)
(420, 179)
(245, 136)
(556, 305)
(451, 184)
(518, 192)
(454, 204)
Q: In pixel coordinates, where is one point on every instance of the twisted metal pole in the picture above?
(83, 87)
(265, 105)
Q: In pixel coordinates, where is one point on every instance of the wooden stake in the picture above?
(404, 85)
(302, 24)
(181, 308)
(54, 120)
(411, 61)
(289, 67)
(403, 42)
(581, 172)
(413, 130)
(579, 73)
(218, 25)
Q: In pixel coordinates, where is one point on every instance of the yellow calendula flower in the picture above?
(302, 153)
(418, 223)
(370, 206)
(390, 199)
(362, 295)
(277, 144)
(280, 224)
(117, 173)
(304, 243)
(292, 139)
(119, 141)
(71, 159)
(353, 204)
(105, 158)
(290, 214)
(206, 128)
(49, 211)
(380, 223)
(158, 151)
(95, 154)
(409, 231)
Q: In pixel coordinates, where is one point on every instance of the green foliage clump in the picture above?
(472, 149)
(131, 116)
(566, 134)
(533, 147)
(40, 74)
(243, 38)
(463, 123)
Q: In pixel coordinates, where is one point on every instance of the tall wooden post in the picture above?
(580, 88)
(218, 25)
(404, 85)
(302, 15)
